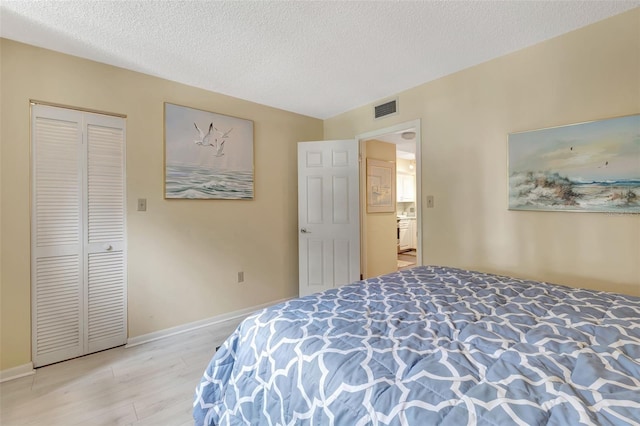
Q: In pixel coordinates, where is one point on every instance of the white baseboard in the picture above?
(161, 334)
(17, 372)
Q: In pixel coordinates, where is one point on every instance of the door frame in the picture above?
(362, 138)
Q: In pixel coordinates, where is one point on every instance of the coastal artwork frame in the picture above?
(585, 167)
(207, 156)
(381, 186)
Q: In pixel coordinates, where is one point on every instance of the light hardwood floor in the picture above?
(149, 384)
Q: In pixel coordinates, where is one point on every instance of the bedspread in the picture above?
(429, 346)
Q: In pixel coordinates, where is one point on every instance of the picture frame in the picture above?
(207, 156)
(381, 186)
(585, 167)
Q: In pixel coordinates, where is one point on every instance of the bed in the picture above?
(430, 346)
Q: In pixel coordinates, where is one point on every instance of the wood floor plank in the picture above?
(148, 384)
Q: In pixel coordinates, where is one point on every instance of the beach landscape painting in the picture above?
(590, 167)
(207, 155)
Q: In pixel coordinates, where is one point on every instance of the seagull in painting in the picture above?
(223, 135)
(606, 163)
(218, 144)
(219, 149)
(204, 139)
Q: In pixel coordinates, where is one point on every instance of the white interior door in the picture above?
(57, 266)
(78, 263)
(105, 278)
(328, 214)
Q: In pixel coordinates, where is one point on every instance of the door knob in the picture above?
(304, 231)
(107, 246)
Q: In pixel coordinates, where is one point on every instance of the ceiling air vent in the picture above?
(385, 109)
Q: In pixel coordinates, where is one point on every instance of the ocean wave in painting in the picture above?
(204, 183)
(544, 191)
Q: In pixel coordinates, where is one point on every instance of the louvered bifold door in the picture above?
(78, 264)
(106, 325)
(57, 235)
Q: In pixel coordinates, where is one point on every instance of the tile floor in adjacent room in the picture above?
(149, 384)
(406, 260)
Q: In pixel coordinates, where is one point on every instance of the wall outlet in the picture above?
(429, 201)
(241, 277)
(142, 204)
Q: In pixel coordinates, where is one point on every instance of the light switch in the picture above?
(142, 204)
(429, 201)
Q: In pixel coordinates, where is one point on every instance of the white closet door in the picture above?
(106, 271)
(78, 233)
(57, 235)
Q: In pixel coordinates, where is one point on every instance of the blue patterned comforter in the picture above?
(431, 346)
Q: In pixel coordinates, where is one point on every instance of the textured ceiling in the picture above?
(314, 58)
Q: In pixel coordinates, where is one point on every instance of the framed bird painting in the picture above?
(585, 167)
(207, 155)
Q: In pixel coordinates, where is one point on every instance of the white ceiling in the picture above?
(405, 145)
(314, 58)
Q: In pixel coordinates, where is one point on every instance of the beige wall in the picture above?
(183, 255)
(587, 74)
(380, 228)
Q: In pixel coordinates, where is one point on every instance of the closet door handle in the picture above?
(107, 246)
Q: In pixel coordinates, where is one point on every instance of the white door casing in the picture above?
(78, 265)
(328, 215)
(414, 125)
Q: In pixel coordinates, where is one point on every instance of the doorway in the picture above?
(405, 224)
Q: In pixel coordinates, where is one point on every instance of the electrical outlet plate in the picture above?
(142, 204)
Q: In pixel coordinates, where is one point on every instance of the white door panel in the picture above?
(105, 245)
(57, 235)
(78, 233)
(328, 214)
